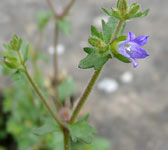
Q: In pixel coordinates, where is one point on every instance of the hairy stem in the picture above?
(91, 83)
(118, 29)
(66, 140)
(84, 96)
(54, 115)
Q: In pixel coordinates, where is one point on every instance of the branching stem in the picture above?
(65, 10)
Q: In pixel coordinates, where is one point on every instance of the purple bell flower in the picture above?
(131, 48)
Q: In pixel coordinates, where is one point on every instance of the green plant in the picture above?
(59, 129)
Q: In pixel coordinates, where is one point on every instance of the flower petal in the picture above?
(137, 52)
(131, 36)
(135, 63)
(141, 40)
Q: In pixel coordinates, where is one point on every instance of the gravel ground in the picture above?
(134, 113)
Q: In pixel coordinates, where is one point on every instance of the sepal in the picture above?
(114, 49)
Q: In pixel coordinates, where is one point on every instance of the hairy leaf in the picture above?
(50, 126)
(109, 29)
(95, 32)
(107, 12)
(95, 59)
(97, 144)
(82, 131)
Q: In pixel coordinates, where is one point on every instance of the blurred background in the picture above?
(128, 106)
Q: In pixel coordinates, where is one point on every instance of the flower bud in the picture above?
(122, 5)
(98, 43)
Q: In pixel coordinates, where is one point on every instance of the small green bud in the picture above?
(15, 43)
(96, 42)
(116, 13)
(11, 62)
(122, 6)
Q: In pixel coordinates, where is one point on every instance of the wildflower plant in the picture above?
(65, 129)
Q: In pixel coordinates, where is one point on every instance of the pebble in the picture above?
(127, 77)
(60, 49)
(108, 85)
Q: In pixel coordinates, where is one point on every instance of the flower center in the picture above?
(128, 48)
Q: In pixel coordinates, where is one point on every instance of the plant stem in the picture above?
(85, 96)
(66, 140)
(55, 56)
(52, 8)
(65, 11)
(118, 29)
(54, 115)
(67, 8)
(55, 67)
(91, 83)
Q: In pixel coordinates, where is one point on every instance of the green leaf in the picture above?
(145, 13)
(50, 126)
(66, 88)
(64, 25)
(7, 47)
(132, 5)
(97, 144)
(19, 79)
(109, 29)
(24, 50)
(95, 32)
(140, 14)
(122, 58)
(95, 59)
(107, 12)
(82, 131)
(42, 18)
(57, 142)
(5, 69)
(45, 129)
(134, 10)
